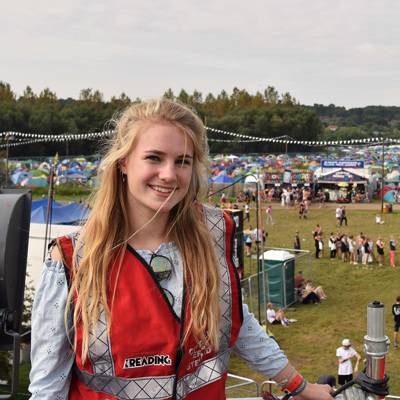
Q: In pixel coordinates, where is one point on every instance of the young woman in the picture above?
(317, 290)
(367, 252)
(380, 244)
(154, 303)
(249, 241)
(332, 246)
(392, 248)
(352, 249)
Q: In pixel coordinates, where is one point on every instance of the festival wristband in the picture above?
(299, 388)
(293, 385)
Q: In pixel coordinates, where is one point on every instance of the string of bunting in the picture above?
(305, 142)
(18, 138)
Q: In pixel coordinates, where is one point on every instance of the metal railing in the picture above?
(246, 382)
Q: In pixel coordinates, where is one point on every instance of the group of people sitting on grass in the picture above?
(305, 292)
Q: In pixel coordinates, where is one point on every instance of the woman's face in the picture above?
(159, 166)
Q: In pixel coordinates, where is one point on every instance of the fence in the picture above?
(250, 285)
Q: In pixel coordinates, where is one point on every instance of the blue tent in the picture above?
(389, 196)
(223, 179)
(43, 203)
(70, 214)
(18, 177)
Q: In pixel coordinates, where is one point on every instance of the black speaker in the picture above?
(15, 217)
(238, 247)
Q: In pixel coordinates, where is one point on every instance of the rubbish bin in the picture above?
(390, 207)
(386, 208)
(279, 277)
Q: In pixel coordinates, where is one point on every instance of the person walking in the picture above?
(247, 212)
(249, 242)
(345, 354)
(343, 216)
(269, 215)
(257, 237)
(396, 314)
(297, 244)
(143, 301)
(392, 248)
(338, 215)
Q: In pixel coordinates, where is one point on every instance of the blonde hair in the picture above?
(107, 230)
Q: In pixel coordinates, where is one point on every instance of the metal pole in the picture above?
(383, 162)
(7, 137)
(258, 259)
(262, 240)
(376, 345)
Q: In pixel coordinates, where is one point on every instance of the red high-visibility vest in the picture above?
(142, 357)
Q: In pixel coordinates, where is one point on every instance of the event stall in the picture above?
(338, 178)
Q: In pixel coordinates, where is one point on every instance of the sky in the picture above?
(342, 52)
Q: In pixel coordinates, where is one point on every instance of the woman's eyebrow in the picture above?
(162, 153)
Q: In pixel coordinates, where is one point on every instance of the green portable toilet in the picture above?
(279, 277)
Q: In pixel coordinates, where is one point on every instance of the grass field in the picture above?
(311, 343)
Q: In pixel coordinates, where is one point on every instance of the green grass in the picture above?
(311, 343)
(22, 393)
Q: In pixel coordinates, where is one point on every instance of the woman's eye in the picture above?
(185, 161)
(153, 158)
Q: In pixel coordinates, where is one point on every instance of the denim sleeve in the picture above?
(254, 346)
(51, 354)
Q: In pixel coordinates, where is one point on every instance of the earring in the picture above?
(123, 176)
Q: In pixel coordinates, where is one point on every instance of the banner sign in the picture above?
(273, 177)
(290, 176)
(342, 164)
(299, 176)
(341, 176)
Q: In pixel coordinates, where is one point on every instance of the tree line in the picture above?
(266, 114)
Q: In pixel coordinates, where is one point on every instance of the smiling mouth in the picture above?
(161, 189)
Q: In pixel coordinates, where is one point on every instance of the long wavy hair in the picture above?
(106, 232)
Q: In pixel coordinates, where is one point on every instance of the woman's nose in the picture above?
(168, 172)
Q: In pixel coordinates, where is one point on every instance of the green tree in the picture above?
(6, 94)
(169, 94)
(47, 96)
(28, 97)
(271, 95)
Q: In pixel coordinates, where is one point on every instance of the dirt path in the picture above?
(332, 206)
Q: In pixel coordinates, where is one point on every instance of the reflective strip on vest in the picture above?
(211, 370)
(139, 388)
(208, 372)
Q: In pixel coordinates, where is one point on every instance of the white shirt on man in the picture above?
(346, 367)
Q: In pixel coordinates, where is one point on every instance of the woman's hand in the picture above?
(315, 392)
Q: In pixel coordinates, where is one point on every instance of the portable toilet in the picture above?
(279, 277)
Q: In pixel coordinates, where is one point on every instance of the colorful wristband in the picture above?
(292, 386)
(300, 388)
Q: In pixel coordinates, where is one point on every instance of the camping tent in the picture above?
(223, 179)
(43, 203)
(70, 214)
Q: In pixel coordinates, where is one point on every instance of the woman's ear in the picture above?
(122, 166)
